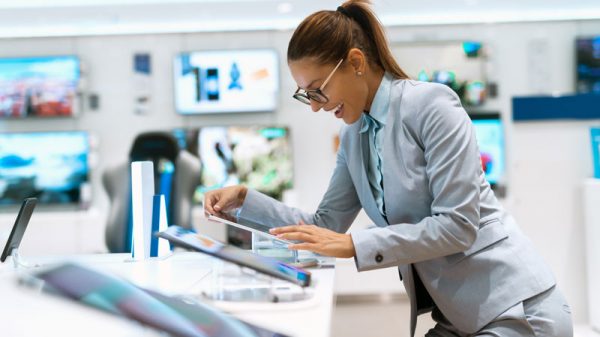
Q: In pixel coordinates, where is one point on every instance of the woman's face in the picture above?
(347, 94)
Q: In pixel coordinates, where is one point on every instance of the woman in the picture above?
(408, 156)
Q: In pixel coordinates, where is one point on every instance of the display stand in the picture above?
(17, 261)
(229, 282)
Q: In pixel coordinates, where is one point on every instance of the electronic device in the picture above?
(258, 157)
(18, 229)
(50, 166)
(251, 226)
(188, 239)
(490, 139)
(38, 86)
(588, 64)
(175, 316)
(226, 81)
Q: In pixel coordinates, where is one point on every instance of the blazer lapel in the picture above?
(388, 155)
(364, 189)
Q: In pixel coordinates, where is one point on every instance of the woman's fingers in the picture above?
(298, 236)
(294, 228)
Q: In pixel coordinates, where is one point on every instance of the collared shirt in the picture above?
(373, 123)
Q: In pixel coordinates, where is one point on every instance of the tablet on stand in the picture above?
(267, 244)
(17, 232)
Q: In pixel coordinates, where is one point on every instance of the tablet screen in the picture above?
(190, 240)
(119, 297)
(252, 226)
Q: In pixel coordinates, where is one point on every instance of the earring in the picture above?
(359, 73)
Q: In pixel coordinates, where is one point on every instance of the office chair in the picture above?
(176, 174)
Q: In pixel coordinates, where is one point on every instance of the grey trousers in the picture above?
(544, 315)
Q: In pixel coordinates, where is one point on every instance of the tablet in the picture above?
(188, 239)
(18, 230)
(175, 316)
(254, 227)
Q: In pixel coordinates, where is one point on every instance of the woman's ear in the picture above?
(357, 60)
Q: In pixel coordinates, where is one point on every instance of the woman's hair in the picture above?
(327, 36)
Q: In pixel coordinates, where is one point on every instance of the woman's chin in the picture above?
(350, 119)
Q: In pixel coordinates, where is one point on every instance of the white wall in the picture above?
(547, 161)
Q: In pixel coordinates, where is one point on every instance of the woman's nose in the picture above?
(315, 106)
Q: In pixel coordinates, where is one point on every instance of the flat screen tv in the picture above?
(258, 157)
(38, 86)
(490, 138)
(50, 166)
(226, 81)
(588, 64)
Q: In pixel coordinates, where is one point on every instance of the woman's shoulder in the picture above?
(422, 92)
(418, 98)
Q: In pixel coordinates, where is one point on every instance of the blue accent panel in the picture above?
(595, 136)
(155, 225)
(583, 106)
(166, 181)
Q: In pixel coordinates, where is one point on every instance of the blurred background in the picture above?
(82, 81)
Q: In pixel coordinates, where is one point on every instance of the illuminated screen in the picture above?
(168, 314)
(38, 86)
(50, 166)
(226, 81)
(258, 157)
(588, 65)
(190, 240)
(490, 138)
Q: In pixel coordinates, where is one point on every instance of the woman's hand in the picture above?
(317, 239)
(218, 202)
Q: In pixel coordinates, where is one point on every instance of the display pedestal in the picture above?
(229, 282)
(591, 204)
(263, 245)
(18, 262)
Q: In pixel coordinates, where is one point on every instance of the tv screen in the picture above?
(490, 138)
(588, 65)
(51, 166)
(38, 86)
(226, 81)
(258, 157)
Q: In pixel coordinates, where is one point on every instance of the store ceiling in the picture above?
(25, 18)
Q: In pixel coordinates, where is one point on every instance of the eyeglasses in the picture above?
(316, 95)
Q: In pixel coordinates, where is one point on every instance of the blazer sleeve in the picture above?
(444, 133)
(336, 211)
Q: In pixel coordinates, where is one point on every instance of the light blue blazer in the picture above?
(454, 245)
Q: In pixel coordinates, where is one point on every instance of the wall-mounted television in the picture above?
(226, 81)
(38, 86)
(490, 138)
(588, 64)
(258, 157)
(51, 166)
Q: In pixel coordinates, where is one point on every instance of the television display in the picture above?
(258, 157)
(588, 65)
(226, 81)
(490, 138)
(38, 86)
(50, 166)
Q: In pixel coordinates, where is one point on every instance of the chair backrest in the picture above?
(176, 172)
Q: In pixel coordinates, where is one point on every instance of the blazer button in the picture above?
(378, 258)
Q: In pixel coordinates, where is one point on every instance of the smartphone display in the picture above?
(169, 314)
(190, 240)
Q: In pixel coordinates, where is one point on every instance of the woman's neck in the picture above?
(374, 76)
